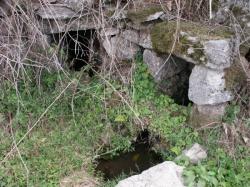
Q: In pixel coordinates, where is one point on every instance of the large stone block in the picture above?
(207, 86)
(57, 12)
(218, 53)
(166, 174)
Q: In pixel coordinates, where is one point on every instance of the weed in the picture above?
(219, 170)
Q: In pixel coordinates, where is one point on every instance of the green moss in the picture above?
(140, 15)
(235, 76)
(163, 38)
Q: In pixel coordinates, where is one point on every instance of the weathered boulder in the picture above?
(207, 86)
(166, 174)
(196, 153)
(117, 47)
(218, 53)
(195, 43)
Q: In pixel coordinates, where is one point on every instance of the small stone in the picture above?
(166, 174)
(196, 153)
(155, 16)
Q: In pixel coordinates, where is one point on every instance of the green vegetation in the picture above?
(88, 119)
(75, 129)
(228, 162)
(219, 170)
(95, 118)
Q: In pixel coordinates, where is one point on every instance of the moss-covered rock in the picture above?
(141, 15)
(189, 39)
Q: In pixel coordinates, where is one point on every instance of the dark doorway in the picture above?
(77, 49)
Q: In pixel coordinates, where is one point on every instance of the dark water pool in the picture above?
(134, 162)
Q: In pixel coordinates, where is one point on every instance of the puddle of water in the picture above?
(134, 162)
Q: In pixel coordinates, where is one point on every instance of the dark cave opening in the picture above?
(247, 56)
(177, 85)
(78, 49)
(181, 96)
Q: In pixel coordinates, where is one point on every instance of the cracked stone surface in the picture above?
(207, 86)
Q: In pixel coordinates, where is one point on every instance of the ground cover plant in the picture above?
(90, 120)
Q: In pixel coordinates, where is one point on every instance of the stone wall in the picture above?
(178, 53)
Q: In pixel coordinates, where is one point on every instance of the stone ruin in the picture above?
(191, 62)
